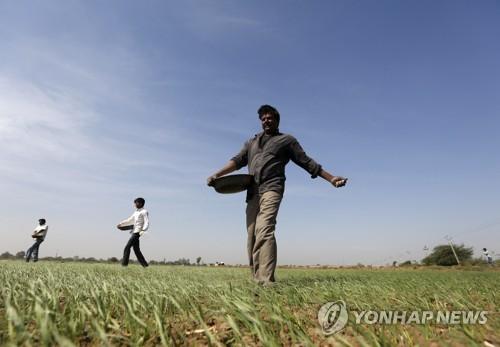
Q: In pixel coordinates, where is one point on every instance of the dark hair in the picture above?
(41, 220)
(140, 201)
(484, 249)
(268, 109)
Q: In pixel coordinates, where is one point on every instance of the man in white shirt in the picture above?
(489, 258)
(39, 235)
(137, 223)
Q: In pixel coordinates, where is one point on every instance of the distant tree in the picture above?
(406, 263)
(181, 261)
(6, 255)
(20, 254)
(443, 255)
(198, 260)
(113, 260)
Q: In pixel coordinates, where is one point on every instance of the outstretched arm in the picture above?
(337, 181)
(300, 158)
(227, 169)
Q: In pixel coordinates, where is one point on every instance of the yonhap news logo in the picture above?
(333, 317)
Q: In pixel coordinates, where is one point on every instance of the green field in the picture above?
(100, 304)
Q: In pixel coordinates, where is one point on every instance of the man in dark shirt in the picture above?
(266, 155)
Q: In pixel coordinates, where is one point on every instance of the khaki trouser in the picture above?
(261, 222)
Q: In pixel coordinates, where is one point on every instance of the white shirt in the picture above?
(41, 231)
(486, 254)
(139, 219)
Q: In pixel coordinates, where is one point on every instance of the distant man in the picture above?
(489, 258)
(266, 155)
(39, 235)
(137, 223)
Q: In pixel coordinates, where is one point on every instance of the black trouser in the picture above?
(33, 250)
(134, 243)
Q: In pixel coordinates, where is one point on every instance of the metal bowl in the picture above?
(232, 183)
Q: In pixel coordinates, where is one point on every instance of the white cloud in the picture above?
(41, 123)
(72, 121)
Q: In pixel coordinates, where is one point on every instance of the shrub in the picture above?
(443, 255)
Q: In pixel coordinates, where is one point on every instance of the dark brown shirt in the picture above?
(267, 156)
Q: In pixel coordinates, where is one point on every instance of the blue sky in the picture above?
(101, 102)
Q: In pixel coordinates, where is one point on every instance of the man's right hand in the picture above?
(211, 180)
(227, 169)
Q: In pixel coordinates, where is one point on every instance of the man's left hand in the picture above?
(338, 181)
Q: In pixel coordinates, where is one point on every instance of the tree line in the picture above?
(441, 255)
(181, 261)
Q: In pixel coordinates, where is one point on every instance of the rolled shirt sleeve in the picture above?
(299, 157)
(146, 221)
(241, 159)
(41, 231)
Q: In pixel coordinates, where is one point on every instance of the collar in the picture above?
(277, 132)
(262, 133)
